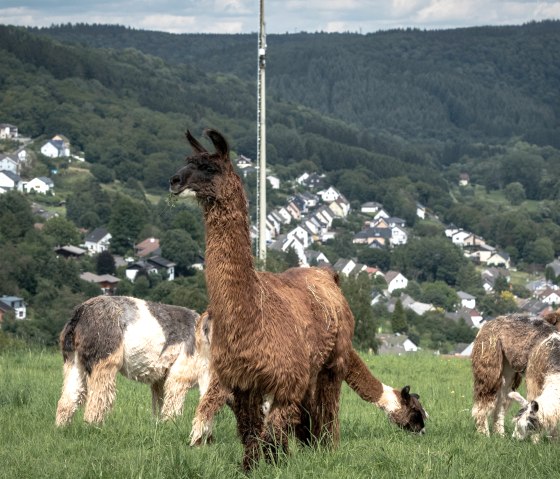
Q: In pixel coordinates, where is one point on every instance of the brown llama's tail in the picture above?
(360, 379)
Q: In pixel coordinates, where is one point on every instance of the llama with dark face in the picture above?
(161, 345)
(540, 412)
(499, 358)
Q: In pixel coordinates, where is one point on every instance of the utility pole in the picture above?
(261, 142)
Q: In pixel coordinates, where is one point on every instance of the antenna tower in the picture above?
(261, 142)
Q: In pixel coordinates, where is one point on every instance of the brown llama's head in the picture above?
(204, 174)
(411, 416)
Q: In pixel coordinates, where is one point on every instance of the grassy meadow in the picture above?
(131, 444)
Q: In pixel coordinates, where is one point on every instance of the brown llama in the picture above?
(162, 345)
(285, 360)
(401, 407)
(499, 359)
(280, 342)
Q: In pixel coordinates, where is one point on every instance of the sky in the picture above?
(281, 16)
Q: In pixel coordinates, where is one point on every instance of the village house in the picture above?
(97, 241)
(56, 148)
(12, 304)
(41, 185)
(395, 280)
(274, 182)
(107, 282)
(499, 259)
(148, 247)
(395, 344)
(69, 251)
(9, 181)
(370, 207)
(8, 132)
(467, 300)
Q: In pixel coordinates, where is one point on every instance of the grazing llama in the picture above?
(401, 407)
(540, 412)
(162, 345)
(499, 358)
(280, 342)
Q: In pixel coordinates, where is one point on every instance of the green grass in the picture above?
(131, 444)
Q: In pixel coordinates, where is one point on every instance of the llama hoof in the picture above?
(202, 441)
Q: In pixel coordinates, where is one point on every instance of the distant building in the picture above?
(12, 303)
(395, 344)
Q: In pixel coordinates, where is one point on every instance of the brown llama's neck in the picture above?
(365, 384)
(230, 271)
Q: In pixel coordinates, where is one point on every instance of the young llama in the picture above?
(162, 345)
(499, 358)
(280, 342)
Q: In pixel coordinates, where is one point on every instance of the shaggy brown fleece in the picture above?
(279, 340)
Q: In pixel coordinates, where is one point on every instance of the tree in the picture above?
(15, 216)
(540, 251)
(102, 173)
(128, 217)
(515, 193)
(398, 319)
(292, 258)
(62, 231)
(357, 290)
(440, 294)
(178, 246)
(105, 263)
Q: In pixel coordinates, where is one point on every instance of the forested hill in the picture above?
(483, 84)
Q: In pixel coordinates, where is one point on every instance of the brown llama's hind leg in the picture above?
(73, 391)
(247, 408)
(210, 403)
(487, 368)
(325, 426)
(102, 386)
(278, 425)
(157, 397)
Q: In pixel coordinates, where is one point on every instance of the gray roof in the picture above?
(96, 235)
(10, 174)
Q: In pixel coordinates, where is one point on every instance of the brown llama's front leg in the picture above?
(101, 385)
(247, 408)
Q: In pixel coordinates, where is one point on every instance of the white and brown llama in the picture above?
(280, 342)
(162, 345)
(499, 358)
(540, 412)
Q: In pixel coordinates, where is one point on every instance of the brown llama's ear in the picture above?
(195, 144)
(218, 140)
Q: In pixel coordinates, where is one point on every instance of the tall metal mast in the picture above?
(261, 142)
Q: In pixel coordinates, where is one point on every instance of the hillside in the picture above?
(473, 84)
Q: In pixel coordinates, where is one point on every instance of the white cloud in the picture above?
(241, 16)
